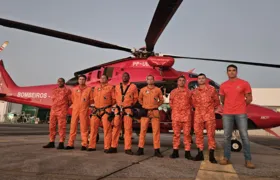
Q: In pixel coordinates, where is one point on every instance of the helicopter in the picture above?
(141, 62)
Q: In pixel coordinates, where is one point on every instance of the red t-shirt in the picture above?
(234, 92)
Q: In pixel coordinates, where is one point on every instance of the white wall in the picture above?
(3, 110)
(266, 96)
(6, 108)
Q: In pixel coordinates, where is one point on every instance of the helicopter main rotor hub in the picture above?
(141, 53)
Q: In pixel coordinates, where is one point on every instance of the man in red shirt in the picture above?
(205, 100)
(235, 95)
(61, 98)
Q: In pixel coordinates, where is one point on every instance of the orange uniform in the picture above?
(150, 99)
(104, 98)
(61, 98)
(81, 98)
(126, 97)
(180, 103)
(205, 100)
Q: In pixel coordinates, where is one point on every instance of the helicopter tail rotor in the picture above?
(5, 44)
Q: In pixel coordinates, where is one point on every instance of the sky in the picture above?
(236, 30)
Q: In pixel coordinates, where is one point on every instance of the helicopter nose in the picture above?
(275, 118)
(272, 119)
(264, 117)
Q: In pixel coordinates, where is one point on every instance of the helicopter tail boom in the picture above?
(6, 82)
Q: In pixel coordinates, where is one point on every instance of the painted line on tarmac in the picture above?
(208, 170)
(147, 158)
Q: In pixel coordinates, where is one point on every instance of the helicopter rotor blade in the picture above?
(227, 61)
(60, 35)
(164, 12)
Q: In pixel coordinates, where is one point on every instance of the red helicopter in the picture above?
(143, 61)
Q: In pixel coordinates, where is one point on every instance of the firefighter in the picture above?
(81, 98)
(104, 99)
(61, 98)
(205, 100)
(126, 98)
(150, 97)
(180, 103)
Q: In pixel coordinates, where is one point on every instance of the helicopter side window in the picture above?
(108, 71)
(215, 85)
(192, 85)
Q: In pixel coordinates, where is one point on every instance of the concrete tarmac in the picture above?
(22, 157)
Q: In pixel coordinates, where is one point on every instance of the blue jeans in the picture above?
(241, 121)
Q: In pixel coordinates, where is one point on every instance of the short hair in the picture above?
(201, 74)
(105, 76)
(232, 66)
(61, 79)
(82, 75)
(150, 76)
(126, 74)
(182, 76)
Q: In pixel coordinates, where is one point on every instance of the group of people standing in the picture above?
(235, 95)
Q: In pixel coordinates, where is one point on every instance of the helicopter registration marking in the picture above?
(32, 95)
(139, 63)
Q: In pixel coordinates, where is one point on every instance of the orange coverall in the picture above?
(128, 100)
(205, 100)
(104, 97)
(81, 98)
(180, 103)
(61, 98)
(150, 99)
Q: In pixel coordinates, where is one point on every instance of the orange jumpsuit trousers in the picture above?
(180, 103)
(150, 98)
(126, 97)
(81, 98)
(104, 98)
(61, 98)
(205, 100)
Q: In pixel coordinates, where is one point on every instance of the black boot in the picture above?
(60, 145)
(106, 150)
(157, 153)
(188, 155)
(175, 154)
(113, 150)
(91, 149)
(69, 147)
(83, 148)
(199, 156)
(140, 152)
(212, 157)
(49, 145)
(129, 152)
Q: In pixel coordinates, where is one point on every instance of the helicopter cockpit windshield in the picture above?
(194, 84)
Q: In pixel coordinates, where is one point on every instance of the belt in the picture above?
(147, 110)
(103, 110)
(122, 112)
